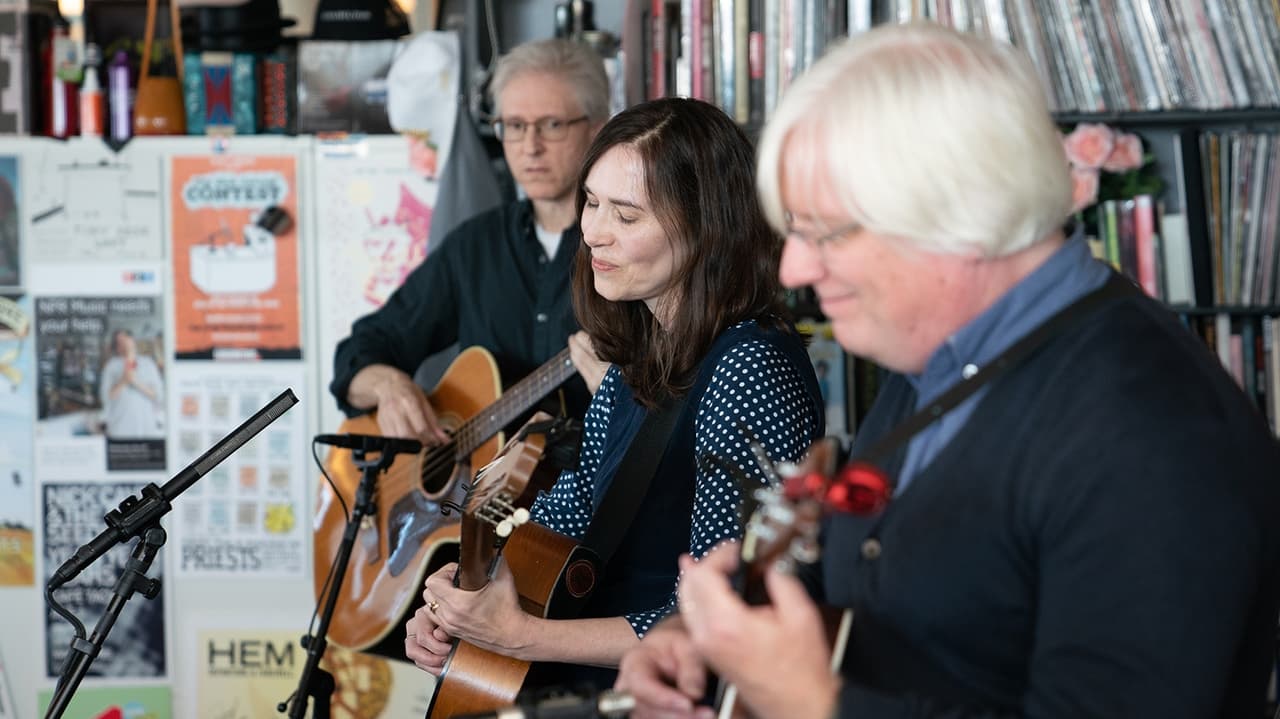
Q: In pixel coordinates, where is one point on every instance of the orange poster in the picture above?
(235, 257)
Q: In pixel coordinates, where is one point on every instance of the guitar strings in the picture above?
(438, 458)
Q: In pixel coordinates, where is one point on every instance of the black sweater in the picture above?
(1101, 539)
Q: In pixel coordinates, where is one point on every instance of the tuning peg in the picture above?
(520, 516)
(504, 528)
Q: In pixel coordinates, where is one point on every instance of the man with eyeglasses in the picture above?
(501, 279)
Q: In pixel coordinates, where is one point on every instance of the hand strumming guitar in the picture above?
(744, 644)
(402, 406)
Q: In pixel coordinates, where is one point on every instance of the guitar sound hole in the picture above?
(437, 468)
(580, 578)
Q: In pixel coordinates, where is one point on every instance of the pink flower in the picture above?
(1084, 188)
(1126, 155)
(1089, 145)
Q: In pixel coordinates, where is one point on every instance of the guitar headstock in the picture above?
(783, 528)
(493, 507)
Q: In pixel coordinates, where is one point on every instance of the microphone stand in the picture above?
(314, 681)
(138, 518)
(83, 651)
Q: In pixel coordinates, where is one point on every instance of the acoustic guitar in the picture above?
(553, 573)
(409, 534)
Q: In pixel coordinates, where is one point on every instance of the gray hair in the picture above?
(575, 63)
(937, 137)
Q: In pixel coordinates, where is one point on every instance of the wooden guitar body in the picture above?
(553, 575)
(397, 547)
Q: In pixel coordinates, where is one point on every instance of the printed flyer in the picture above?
(100, 375)
(235, 257)
(248, 515)
(243, 673)
(86, 202)
(73, 515)
(17, 417)
(375, 209)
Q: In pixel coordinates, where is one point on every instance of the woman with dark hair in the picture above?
(676, 286)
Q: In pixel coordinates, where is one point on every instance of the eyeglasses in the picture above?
(831, 238)
(548, 128)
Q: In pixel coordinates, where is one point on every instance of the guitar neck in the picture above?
(514, 402)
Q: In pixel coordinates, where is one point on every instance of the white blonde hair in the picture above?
(577, 64)
(941, 138)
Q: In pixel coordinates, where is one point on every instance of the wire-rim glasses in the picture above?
(548, 128)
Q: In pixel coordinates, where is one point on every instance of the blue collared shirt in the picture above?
(1070, 273)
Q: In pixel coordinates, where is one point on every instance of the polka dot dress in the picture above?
(753, 387)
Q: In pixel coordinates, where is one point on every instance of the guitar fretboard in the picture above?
(523, 395)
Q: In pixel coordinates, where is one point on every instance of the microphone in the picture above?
(371, 443)
(562, 704)
(135, 515)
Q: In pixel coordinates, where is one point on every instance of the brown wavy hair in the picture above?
(699, 178)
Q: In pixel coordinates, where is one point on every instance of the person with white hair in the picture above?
(1087, 529)
(501, 279)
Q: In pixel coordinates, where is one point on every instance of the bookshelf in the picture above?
(1262, 116)
(1198, 80)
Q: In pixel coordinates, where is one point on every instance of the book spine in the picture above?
(726, 69)
(657, 49)
(278, 103)
(755, 62)
(244, 93)
(193, 92)
(215, 68)
(1144, 225)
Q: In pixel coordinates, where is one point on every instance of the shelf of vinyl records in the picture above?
(1098, 58)
(1249, 348)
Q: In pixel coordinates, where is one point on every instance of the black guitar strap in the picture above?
(1066, 318)
(626, 491)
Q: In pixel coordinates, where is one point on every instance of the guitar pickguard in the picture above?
(413, 518)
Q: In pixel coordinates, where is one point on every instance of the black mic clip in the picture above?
(129, 520)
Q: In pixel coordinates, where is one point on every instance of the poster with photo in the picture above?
(828, 359)
(100, 382)
(17, 417)
(248, 516)
(86, 202)
(73, 515)
(114, 702)
(235, 257)
(10, 223)
(375, 203)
